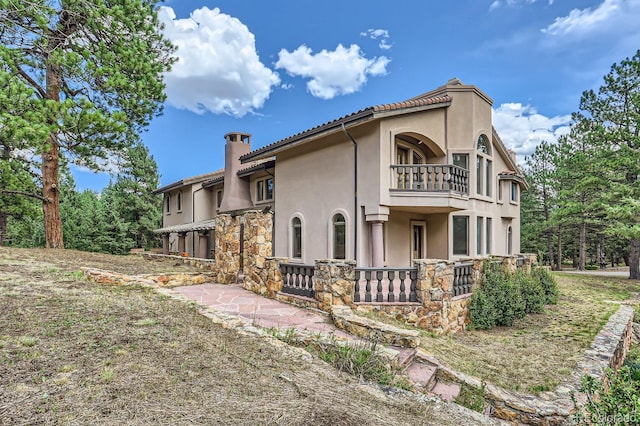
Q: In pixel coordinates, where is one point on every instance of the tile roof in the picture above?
(358, 116)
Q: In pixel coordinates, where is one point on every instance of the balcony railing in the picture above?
(377, 285)
(298, 279)
(431, 178)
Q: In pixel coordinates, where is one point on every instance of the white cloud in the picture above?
(617, 16)
(218, 67)
(376, 34)
(511, 3)
(332, 73)
(521, 128)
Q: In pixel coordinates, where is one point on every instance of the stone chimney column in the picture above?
(236, 190)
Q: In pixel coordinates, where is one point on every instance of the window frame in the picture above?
(479, 233)
(466, 237)
(167, 204)
(263, 193)
(335, 233)
(484, 166)
(179, 202)
(219, 195)
(294, 239)
(513, 197)
(509, 240)
(488, 231)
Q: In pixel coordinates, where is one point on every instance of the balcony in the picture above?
(440, 187)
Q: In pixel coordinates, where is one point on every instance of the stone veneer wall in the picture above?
(227, 248)
(334, 283)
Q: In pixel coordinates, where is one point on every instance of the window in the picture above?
(460, 235)
(264, 189)
(219, 194)
(509, 240)
(461, 160)
(484, 167)
(409, 177)
(489, 179)
(488, 236)
(339, 236)
(179, 201)
(168, 203)
(479, 161)
(499, 190)
(296, 238)
(479, 229)
(514, 192)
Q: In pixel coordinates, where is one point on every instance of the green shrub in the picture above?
(532, 293)
(482, 312)
(591, 267)
(503, 290)
(548, 283)
(616, 403)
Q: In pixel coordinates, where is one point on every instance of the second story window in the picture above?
(514, 192)
(179, 201)
(219, 194)
(461, 160)
(264, 189)
(167, 203)
(484, 167)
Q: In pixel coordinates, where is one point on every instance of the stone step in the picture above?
(405, 356)
(423, 375)
(446, 390)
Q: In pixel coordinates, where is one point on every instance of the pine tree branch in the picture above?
(31, 81)
(25, 194)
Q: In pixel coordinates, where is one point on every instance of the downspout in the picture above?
(193, 219)
(356, 213)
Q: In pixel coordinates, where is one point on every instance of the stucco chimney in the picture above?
(236, 190)
(512, 154)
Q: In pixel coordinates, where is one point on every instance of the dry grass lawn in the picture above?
(73, 352)
(541, 350)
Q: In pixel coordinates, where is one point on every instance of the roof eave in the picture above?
(169, 187)
(307, 136)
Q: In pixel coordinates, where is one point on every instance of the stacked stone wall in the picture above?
(227, 248)
(334, 283)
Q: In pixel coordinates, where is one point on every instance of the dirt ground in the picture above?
(75, 353)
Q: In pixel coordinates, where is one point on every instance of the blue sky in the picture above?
(275, 68)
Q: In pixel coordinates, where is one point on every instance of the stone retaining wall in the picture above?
(227, 248)
(209, 264)
(147, 280)
(608, 350)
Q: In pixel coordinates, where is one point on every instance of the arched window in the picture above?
(339, 236)
(483, 145)
(179, 201)
(296, 238)
(168, 203)
(484, 167)
(509, 241)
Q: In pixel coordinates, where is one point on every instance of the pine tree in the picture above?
(94, 68)
(138, 206)
(613, 114)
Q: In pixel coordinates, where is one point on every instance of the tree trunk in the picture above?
(634, 259)
(550, 247)
(582, 254)
(50, 190)
(50, 168)
(559, 257)
(547, 215)
(3, 228)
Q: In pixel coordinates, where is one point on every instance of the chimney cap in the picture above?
(238, 137)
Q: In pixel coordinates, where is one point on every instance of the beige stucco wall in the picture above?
(312, 182)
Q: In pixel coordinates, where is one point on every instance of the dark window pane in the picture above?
(296, 251)
(269, 188)
(461, 160)
(339, 237)
(460, 235)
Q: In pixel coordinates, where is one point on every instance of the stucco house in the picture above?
(427, 177)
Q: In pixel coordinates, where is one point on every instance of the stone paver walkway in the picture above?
(259, 310)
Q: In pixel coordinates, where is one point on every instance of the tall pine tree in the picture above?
(95, 68)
